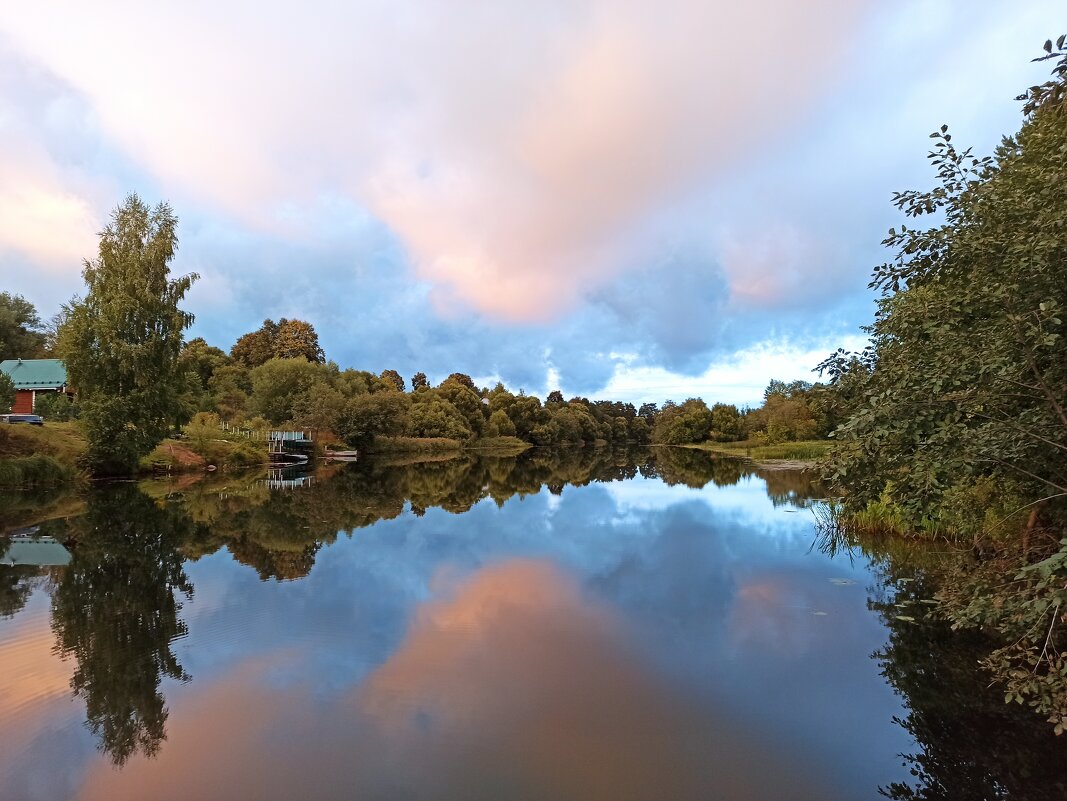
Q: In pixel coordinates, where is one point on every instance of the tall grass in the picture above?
(23, 472)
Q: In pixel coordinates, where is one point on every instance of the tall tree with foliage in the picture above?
(967, 388)
(959, 406)
(121, 343)
(285, 339)
(21, 333)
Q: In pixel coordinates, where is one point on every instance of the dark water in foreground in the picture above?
(581, 625)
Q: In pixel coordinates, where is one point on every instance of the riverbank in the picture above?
(52, 455)
(781, 455)
(493, 446)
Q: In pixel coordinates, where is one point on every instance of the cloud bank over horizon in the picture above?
(586, 191)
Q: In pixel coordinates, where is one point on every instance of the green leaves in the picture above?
(122, 342)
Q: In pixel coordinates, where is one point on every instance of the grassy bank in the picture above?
(385, 445)
(802, 451)
(490, 446)
(499, 446)
(40, 456)
(197, 453)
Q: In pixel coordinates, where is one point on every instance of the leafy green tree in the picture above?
(958, 420)
(419, 381)
(681, 425)
(296, 338)
(256, 347)
(726, 424)
(967, 375)
(21, 333)
(525, 412)
(230, 387)
(202, 359)
(464, 379)
(278, 383)
(359, 382)
(319, 408)
(499, 425)
(467, 402)
(371, 415)
(285, 339)
(121, 344)
(55, 406)
(432, 415)
(7, 392)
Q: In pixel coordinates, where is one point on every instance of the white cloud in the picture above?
(739, 379)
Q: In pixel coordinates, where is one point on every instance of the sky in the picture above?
(617, 198)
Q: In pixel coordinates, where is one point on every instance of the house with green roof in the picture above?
(33, 377)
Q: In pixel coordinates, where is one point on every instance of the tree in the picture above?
(230, 387)
(121, 344)
(319, 408)
(958, 422)
(394, 378)
(464, 379)
(7, 393)
(499, 425)
(684, 424)
(278, 383)
(368, 416)
(433, 416)
(21, 332)
(966, 378)
(257, 347)
(468, 403)
(296, 338)
(285, 339)
(419, 381)
(202, 359)
(726, 425)
(555, 396)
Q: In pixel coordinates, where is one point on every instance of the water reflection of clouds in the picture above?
(698, 602)
(516, 684)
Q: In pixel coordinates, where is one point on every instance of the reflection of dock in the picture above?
(281, 479)
(27, 549)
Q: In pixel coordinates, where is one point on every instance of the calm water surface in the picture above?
(581, 625)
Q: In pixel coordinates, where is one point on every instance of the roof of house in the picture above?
(39, 551)
(36, 373)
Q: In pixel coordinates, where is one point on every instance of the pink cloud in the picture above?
(517, 150)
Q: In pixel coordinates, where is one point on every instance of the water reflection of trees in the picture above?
(115, 607)
(116, 613)
(969, 743)
(279, 534)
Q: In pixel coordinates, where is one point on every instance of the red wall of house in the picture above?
(23, 402)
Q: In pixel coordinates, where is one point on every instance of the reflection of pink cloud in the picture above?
(517, 149)
(770, 613)
(515, 686)
(34, 688)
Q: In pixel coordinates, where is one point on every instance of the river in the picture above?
(586, 624)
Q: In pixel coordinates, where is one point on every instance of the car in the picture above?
(30, 419)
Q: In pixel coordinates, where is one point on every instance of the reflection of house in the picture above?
(25, 549)
(33, 377)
